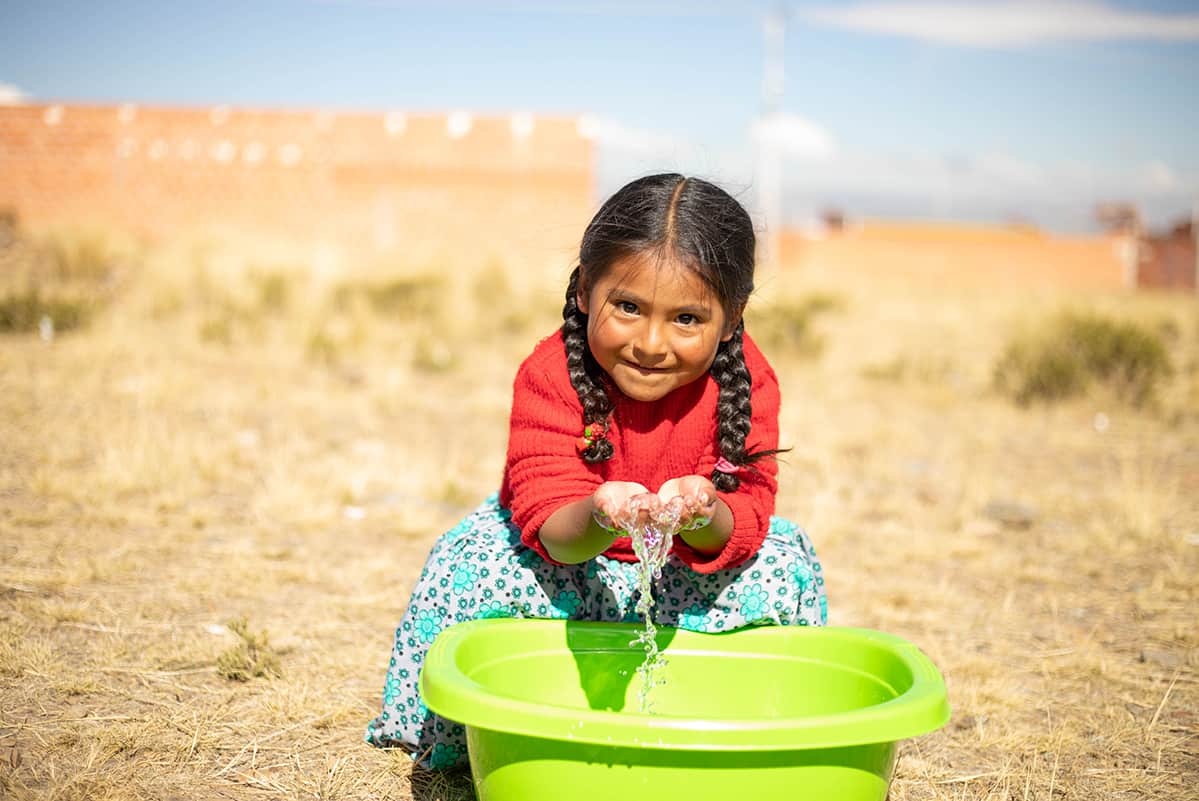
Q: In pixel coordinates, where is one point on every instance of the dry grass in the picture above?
(235, 440)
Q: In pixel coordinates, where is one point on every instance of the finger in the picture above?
(644, 507)
(677, 506)
(604, 518)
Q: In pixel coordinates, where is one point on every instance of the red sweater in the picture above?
(653, 442)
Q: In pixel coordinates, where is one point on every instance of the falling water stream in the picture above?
(652, 536)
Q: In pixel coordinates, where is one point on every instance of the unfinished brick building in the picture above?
(432, 191)
(425, 189)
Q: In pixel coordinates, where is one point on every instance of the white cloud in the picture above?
(1009, 170)
(1157, 176)
(11, 95)
(615, 135)
(992, 186)
(818, 172)
(1016, 23)
(794, 136)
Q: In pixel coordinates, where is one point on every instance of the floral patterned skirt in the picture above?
(480, 569)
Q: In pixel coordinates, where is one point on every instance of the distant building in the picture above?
(985, 256)
(1168, 260)
(977, 257)
(423, 188)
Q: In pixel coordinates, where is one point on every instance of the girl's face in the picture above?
(652, 326)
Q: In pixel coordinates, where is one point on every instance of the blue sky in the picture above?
(950, 110)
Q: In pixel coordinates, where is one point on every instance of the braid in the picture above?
(733, 407)
(584, 372)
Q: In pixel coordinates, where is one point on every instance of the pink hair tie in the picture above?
(725, 466)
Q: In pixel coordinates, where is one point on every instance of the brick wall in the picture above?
(976, 257)
(1167, 261)
(425, 188)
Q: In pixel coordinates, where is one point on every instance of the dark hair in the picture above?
(690, 222)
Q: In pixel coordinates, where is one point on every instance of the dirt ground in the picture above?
(232, 439)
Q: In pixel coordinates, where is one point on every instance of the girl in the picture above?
(651, 390)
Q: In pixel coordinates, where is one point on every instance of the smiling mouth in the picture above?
(645, 370)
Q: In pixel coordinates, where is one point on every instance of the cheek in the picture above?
(602, 334)
(699, 351)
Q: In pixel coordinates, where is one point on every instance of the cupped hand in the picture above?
(621, 505)
(697, 496)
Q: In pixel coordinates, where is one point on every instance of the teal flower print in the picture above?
(391, 690)
(802, 575)
(753, 602)
(782, 526)
(566, 603)
(428, 624)
(694, 618)
(465, 577)
(492, 609)
(443, 756)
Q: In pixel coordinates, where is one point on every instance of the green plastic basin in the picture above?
(551, 710)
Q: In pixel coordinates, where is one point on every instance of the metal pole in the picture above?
(769, 164)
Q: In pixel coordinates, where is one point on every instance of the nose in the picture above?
(650, 345)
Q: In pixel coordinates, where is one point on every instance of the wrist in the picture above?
(571, 534)
(711, 538)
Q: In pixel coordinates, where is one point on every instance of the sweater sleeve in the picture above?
(544, 471)
(752, 503)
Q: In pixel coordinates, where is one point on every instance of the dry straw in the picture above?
(190, 456)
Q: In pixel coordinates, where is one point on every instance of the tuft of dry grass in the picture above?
(238, 434)
(1073, 351)
(57, 280)
(252, 657)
